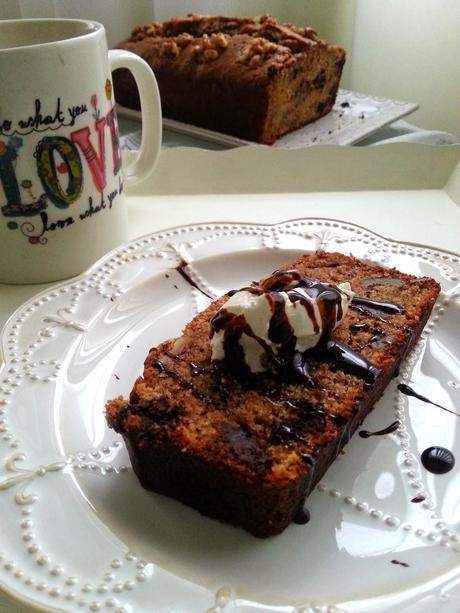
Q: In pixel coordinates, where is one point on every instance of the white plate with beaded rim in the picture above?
(353, 117)
(80, 534)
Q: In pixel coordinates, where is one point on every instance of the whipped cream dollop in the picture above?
(263, 325)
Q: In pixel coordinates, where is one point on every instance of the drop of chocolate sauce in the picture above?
(302, 516)
(438, 460)
(405, 564)
(388, 430)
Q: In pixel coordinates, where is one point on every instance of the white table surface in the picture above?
(428, 217)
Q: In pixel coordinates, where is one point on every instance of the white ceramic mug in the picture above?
(61, 184)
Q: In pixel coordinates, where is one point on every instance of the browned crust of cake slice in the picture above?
(251, 78)
(249, 454)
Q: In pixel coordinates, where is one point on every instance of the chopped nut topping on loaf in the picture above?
(250, 77)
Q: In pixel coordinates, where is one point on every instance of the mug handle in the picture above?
(151, 113)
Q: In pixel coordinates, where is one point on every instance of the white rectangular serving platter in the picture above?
(353, 117)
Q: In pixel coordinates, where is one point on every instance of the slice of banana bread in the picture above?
(249, 450)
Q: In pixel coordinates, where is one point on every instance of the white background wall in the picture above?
(407, 49)
(118, 16)
(410, 49)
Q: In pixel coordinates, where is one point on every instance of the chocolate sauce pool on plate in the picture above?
(438, 460)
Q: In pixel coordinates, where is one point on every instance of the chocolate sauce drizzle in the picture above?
(408, 391)
(195, 370)
(388, 430)
(385, 307)
(346, 359)
(302, 516)
(297, 369)
(437, 460)
(184, 274)
(293, 365)
(289, 363)
(359, 327)
(367, 312)
(284, 432)
(378, 338)
(327, 297)
(280, 331)
(162, 369)
(371, 308)
(405, 564)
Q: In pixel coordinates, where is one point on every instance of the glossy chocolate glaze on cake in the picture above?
(346, 359)
(385, 307)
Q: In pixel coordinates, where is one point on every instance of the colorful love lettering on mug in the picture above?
(48, 171)
(62, 202)
(63, 163)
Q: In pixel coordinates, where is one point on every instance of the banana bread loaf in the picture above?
(249, 449)
(250, 78)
